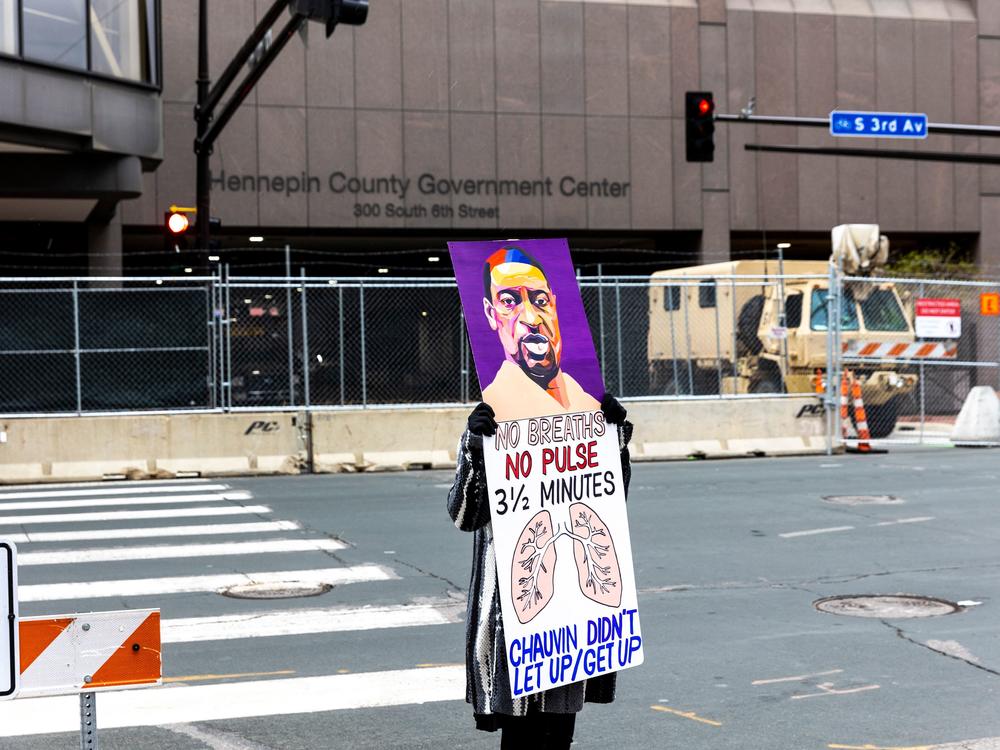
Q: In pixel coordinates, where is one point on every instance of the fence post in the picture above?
(211, 341)
(340, 333)
(305, 339)
(831, 379)
(364, 365)
(600, 312)
(228, 342)
(288, 317)
(923, 387)
(673, 338)
(732, 282)
(618, 334)
(687, 338)
(718, 338)
(76, 346)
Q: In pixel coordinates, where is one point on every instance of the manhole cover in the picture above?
(886, 606)
(288, 590)
(863, 499)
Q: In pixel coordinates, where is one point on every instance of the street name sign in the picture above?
(939, 318)
(878, 124)
(10, 672)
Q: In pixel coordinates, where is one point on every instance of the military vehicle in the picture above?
(711, 333)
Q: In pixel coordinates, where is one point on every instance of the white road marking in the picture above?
(811, 532)
(111, 483)
(164, 552)
(133, 515)
(104, 501)
(830, 466)
(796, 678)
(306, 621)
(155, 532)
(46, 592)
(828, 689)
(215, 739)
(109, 491)
(915, 519)
(176, 704)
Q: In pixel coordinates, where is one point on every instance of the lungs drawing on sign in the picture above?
(533, 569)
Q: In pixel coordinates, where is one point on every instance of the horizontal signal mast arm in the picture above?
(947, 128)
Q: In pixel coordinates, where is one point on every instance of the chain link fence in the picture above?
(925, 345)
(84, 346)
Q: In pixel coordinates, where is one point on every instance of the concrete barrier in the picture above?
(139, 447)
(85, 448)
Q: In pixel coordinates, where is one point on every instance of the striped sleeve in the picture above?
(624, 438)
(468, 504)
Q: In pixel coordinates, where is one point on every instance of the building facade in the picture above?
(444, 119)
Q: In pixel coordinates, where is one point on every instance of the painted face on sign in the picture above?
(521, 308)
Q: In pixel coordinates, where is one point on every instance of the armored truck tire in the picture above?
(747, 322)
(663, 381)
(882, 418)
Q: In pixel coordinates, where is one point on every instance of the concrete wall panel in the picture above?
(332, 148)
(519, 148)
(965, 102)
(330, 70)
(282, 133)
(563, 80)
(605, 54)
(652, 173)
(774, 35)
(897, 179)
(380, 154)
(816, 96)
(425, 58)
(378, 53)
(518, 56)
(933, 72)
(470, 25)
(742, 85)
(473, 156)
(607, 160)
(234, 164)
(426, 148)
(856, 177)
(649, 61)
(564, 153)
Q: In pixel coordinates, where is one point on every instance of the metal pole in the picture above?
(950, 128)
(88, 721)
(364, 367)
(782, 315)
(923, 389)
(340, 331)
(600, 311)
(229, 341)
(203, 151)
(687, 337)
(217, 316)
(211, 340)
(718, 340)
(732, 282)
(618, 334)
(831, 382)
(76, 346)
(288, 316)
(673, 339)
(305, 338)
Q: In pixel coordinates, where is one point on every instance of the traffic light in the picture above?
(699, 132)
(176, 226)
(332, 12)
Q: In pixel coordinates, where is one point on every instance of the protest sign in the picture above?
(553, 470)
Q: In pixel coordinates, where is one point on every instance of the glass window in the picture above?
(881, 312)
(121, 34)
(706, 293)
(55, 31)
(8, 26)
(817, 311)
(793, 311)
(671, 298)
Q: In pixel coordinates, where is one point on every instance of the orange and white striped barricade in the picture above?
(845, 419)
(10, 675)
(903, 350)
(89, 653)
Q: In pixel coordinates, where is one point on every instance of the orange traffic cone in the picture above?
(860, 419)
(818, 381)
(845, 420)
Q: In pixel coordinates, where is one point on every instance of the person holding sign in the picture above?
(541, 479)
(543, 720)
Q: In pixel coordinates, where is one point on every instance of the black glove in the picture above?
(481, 420)
(614, 412)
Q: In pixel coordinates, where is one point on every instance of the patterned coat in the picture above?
(487, 682)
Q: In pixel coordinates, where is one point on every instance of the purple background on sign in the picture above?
(579, 359)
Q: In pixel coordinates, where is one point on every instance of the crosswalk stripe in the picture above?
(306, 621)
(147, 532)
(164, 552)
(133, 515)
(235, 700)
(109, 491)
(45, 592)
(104, 501)
(92, 484)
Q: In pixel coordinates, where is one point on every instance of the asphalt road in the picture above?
(729, 555)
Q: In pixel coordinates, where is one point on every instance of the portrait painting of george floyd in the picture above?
(530, 339)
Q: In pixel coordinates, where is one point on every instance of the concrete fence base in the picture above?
(163, 446)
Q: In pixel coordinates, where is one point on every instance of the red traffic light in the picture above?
(177, 223)
(704, 106)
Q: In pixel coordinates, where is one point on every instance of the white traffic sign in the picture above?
(10, 672)
(939, 318)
